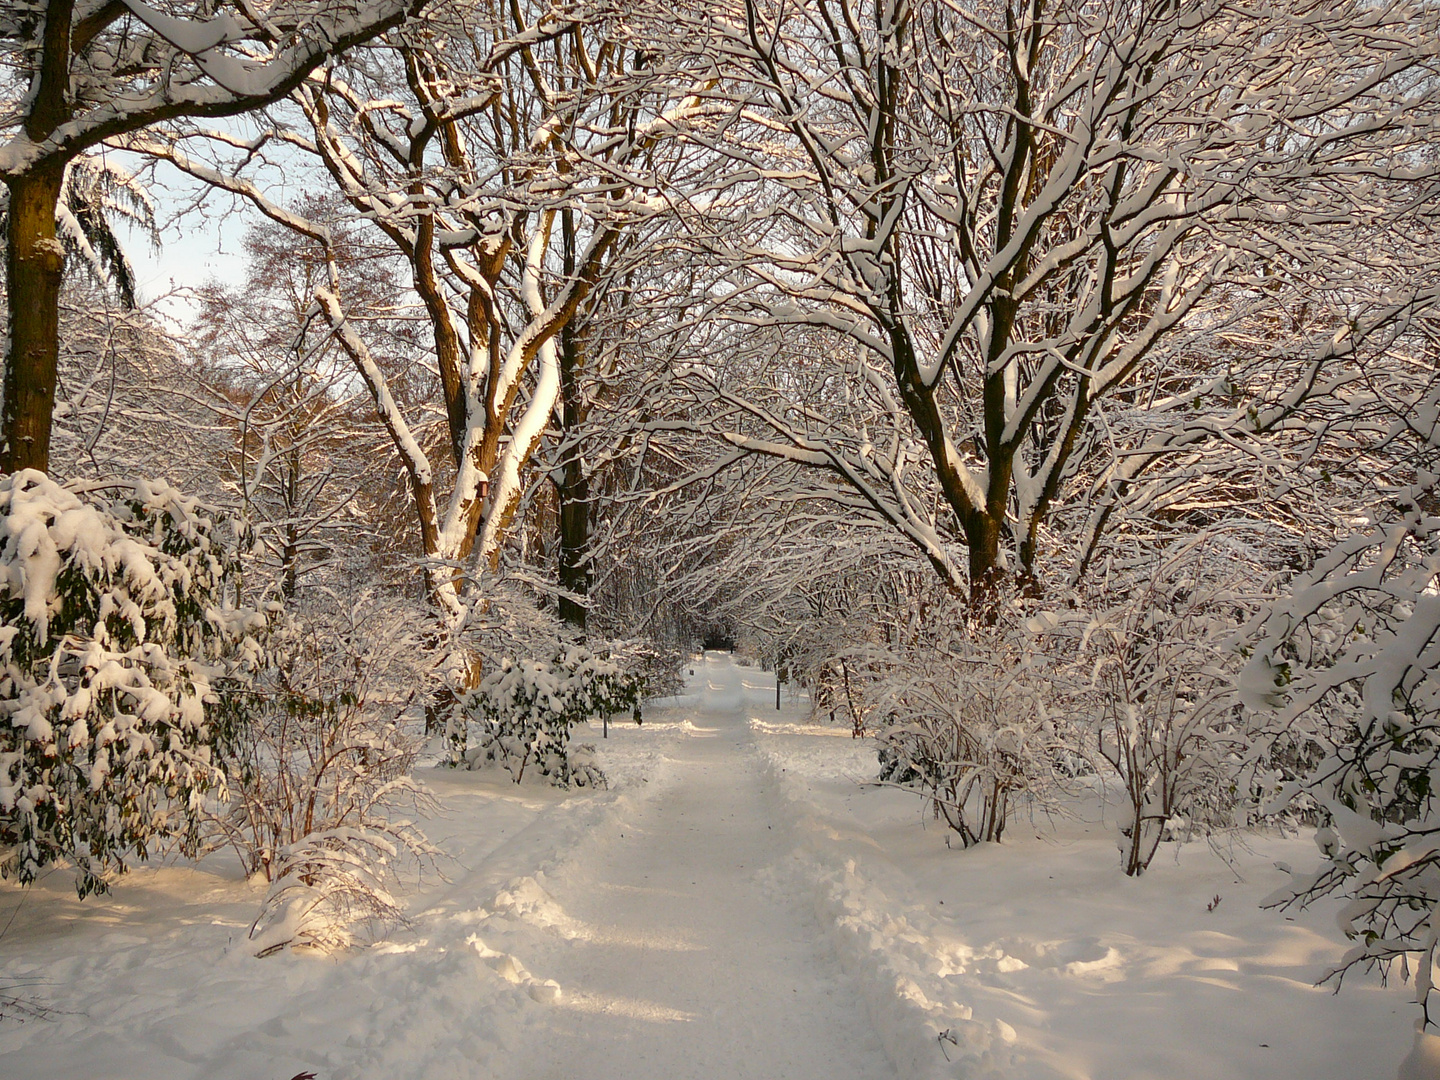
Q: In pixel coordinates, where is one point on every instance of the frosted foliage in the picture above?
(506, 232)
(658, 668)
(831, 653)
(1048, 241)
(134, 65)
(523, 714)
(1346, 665)
(1155, 673)
(1130, 681)
(112, 605)
(322, 800)
(964, 719)
(332, 880)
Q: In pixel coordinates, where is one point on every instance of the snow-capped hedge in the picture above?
(113, 605)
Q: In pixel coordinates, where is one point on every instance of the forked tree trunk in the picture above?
(34, 266)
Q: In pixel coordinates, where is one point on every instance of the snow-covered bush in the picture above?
(524, 712)
(1154, 673)
(504, 619)
(113, 615)
(1348, 664)
(826, 629)
(964, 718)
(320, 791)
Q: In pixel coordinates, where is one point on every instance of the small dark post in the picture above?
(779, 674)
(605, 726)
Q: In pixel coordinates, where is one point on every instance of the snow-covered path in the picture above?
(734, 905)
(677, 955)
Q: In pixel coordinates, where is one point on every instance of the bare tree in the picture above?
(1026, 217)
(79, 73)
(302, 441)
(519, 149)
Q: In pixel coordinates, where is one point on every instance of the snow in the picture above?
(186, 35)
(1098, 975)
(679, 950)
(735, 905)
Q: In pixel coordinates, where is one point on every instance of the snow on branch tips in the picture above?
(963, 720)
(1019, 256)
(96, 73)
(1344, 675)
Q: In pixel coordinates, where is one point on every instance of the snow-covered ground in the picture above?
(736, 905)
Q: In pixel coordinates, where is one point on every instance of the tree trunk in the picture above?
(289, 576)
(574, 488)
(574, 540)
(34, 266)
(983, 538)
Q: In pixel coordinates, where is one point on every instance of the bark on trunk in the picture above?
(985, 572)
(573, 491)
(34, 266)
(35, 261)
(574, 540)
